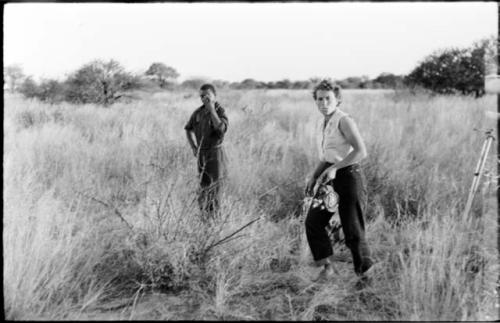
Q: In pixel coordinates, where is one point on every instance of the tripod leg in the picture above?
(477, 175)
(474, 182)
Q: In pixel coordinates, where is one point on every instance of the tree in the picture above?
(366, 84)
(194, 83)
(283, 84)
(29, 88)
(13, 74)
(48, 90)
(387, 80)
(300, 85)
(220, 84)
(51, 91)
(249, 84)
(352, 82)
(315, 80)
(438, 71)
(162, 72)
(491, 55)
(474, 66)
(98, 82)
(454, 70)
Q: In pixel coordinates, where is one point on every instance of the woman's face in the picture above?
(326, 101)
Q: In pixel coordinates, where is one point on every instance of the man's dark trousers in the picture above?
(212, 170)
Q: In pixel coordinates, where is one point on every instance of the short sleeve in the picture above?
(190, 124)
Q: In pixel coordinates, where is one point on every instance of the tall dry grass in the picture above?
(101, 221)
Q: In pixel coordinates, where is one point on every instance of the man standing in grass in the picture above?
(208, 124)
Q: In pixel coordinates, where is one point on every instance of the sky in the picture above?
(235, 41)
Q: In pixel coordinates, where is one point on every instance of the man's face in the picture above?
(207, 96)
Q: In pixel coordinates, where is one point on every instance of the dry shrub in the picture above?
(100, 205)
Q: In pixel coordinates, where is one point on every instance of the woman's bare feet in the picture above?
(326, 273)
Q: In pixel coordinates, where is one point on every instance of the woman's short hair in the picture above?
(326, 85)
(208, 86)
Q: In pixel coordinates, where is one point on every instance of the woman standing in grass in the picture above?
(341, 148)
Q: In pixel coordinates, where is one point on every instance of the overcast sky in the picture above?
(234, 41)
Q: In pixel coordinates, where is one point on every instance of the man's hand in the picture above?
(327, 175)
(195, 151)
(209, 103)
(310, 186)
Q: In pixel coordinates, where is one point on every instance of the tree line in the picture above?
(445, 71)
(105, 82)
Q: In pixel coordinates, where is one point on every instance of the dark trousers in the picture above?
(212, 169)
(349, 183)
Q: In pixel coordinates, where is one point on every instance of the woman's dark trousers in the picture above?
(349, 183)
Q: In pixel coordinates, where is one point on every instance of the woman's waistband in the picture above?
(350, 168)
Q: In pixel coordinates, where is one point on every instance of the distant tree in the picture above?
(491, 55)
(352, 82)
(473, 67)
(366, 84)
(234, 85)
(29, 88)
(221, 84)
(271, 85)
(51, 91)
(283, 84)
(454, 70)
(344, 84)
(193, 83)
(437, 71)
(315, 80)
(98, 82)
(250, 84)
(162, 73)
(132, 82)
(388, 80)
(48, 90)
(301, 85)
(13, 74)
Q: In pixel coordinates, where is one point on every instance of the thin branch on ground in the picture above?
(231, 235)
(111, 207)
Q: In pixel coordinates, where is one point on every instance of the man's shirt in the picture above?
(207, 135)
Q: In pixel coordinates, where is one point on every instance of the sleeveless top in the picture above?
(333, 147)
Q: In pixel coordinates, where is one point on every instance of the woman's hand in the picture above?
(327, 175)
(310, 186)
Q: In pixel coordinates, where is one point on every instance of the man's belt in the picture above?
(210, 148)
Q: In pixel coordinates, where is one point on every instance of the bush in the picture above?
(455, 70)
(162, 74)
(50, 91)
(12, 74)
(194, 83)
(29, 88)
(99, 82)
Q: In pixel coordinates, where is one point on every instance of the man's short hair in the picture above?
(208, 86)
